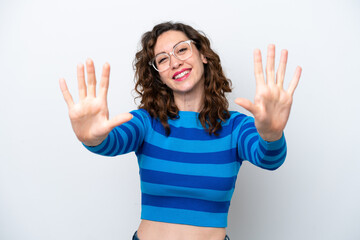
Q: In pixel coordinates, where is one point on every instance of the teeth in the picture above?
(182, 74)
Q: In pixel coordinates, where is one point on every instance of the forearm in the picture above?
(252, 147)
(106, 147)
(270, 155)
(122, 139)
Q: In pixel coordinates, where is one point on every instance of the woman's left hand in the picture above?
(272, 103)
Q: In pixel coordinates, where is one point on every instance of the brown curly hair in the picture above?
(158, 99)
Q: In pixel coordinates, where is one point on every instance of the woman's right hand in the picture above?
(90, 116)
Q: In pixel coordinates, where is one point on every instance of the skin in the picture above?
(270, 108)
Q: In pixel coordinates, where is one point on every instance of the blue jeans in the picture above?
(135, 237)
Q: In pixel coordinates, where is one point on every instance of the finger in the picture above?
(294, 82)
(245, 103)
(119, 119)
(270, 64)
(104, 82)
(280, 75)
(81, 81)
(66, 94)
(258, 68)
(90, 70)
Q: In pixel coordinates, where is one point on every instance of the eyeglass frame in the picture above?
(152, 61)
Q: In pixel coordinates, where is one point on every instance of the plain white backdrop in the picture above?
(53, 188)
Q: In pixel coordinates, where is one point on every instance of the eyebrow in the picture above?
(173, 47)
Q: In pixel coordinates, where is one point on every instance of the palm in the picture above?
(90, 116)
(272, 104)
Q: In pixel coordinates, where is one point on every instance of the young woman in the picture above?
(189, 145)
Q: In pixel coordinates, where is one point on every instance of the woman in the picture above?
(189, 146)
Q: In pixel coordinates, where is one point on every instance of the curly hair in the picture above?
(158, 99)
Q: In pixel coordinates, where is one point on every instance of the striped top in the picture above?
(189, 176)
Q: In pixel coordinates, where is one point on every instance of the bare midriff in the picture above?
(151, 230)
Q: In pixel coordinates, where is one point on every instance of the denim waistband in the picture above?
(135, 237)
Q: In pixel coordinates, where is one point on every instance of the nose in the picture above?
(174, 62)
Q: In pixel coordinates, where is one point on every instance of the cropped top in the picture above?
(189, 176)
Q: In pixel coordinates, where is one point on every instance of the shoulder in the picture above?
(237, 118)
(140, 117)
(141, 114)
(234, 124)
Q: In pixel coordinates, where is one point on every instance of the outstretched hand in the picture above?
(272, 103)
(90, 116)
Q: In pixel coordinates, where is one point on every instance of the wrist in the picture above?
(271, 137)
(93, 143)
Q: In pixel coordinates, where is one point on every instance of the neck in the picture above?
(193, 102)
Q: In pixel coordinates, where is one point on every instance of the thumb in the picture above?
(245, 103)
(119, 119)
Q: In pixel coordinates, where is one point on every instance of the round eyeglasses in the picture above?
(181, 51)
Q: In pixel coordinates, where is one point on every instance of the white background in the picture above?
(53, 188)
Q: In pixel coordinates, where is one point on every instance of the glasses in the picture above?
(181, 51)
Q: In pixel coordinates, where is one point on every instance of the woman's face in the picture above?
(193, 80)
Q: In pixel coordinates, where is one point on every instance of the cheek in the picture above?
(201, 68)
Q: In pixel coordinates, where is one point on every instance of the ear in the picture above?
(203, 59)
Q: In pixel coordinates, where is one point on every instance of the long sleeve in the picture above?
(251, 147)
(124, 138)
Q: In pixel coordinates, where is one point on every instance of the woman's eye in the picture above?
(162, 60)
(182, 50)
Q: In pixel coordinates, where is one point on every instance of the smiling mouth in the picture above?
(182, 74)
